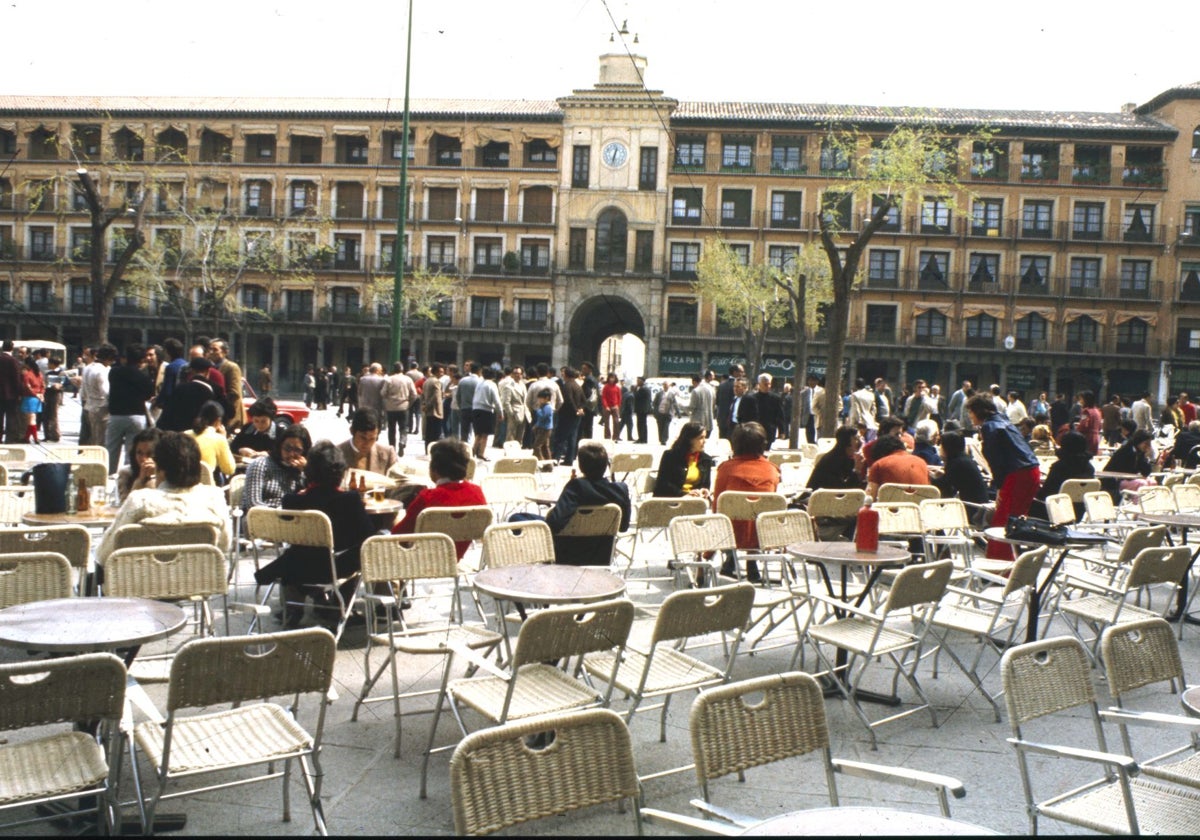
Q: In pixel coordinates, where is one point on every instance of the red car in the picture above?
(287, 413)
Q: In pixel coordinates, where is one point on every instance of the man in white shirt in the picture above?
(93, 393)
(1142, 413)
(398, 395)
(957, 400)
(921, 405)
(1015, 409)
(862, 408)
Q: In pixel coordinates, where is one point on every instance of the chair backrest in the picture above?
(408, 557)
(754, 722)
(739, 504)
(589, 761)
(921, 583)
(593, 521)
(33, 577)
(183, 533)
(1025, 570)
(71, 541)
(778, 529)
(17, 452)
(944, 515)
(642, 482)
(1099, 507)
(627, 462)
(234, 669)
(15, 502)
(517, 544)
(1044, 677)
(508, 488)
(1153, 566)
(295, 527)
(235, 489)
(1060, 510)
(695, 612)
(71, 689)
(906, 493)
(1171, 479)
(166, 572)
(1076, 487)
(794, 476)
(3, 474)
(513, 449)
(96, 454)
(566, 632)
(514, 464)
(697, 534)
(1140, 653)
(94, 474)
(718, 447)
(835, 504)
(1156, 500)
(1139, 539)
(898, 517)
(779, 457)
(461, 524)
(1187, 497)
(658, 512)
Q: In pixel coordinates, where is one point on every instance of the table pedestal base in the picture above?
(830, 689)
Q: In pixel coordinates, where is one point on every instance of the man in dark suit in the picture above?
(744, 408)
(10, 395)
(642, 403)
(725, 400)
(768, 407)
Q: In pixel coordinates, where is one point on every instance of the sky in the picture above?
(1047, 55)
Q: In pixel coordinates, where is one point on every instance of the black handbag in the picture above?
(1029, 529)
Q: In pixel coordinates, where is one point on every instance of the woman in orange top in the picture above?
(747, 471)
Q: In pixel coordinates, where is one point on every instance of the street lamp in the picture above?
(401, 216)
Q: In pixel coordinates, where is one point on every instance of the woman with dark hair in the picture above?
(1014, 467)
(1089, 421)
(685, 469)
(281, 471)
(142, 472)
(33, 392)
(209, 431)
(1073, 461)
(448, 459)
(1135, 455)
(749, 471)
(841, 467)
(178, 498)
(300, 566)
(960, 476)
(1173, 415)
(258, 435)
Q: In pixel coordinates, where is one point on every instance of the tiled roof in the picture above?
(1191, 91)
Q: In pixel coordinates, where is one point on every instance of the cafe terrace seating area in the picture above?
(888, 685)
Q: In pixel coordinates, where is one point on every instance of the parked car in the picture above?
(288, 412)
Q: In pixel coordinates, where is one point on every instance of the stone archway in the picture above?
(597, 318)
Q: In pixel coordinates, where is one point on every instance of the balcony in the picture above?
(47, 304)
(533, 324)
(347, 263)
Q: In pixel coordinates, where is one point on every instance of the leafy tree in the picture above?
(422, 293)
(914, 161)
(807, 289)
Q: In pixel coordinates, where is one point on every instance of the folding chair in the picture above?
(912, 493)
(946, 532)
(40, 576)
(695, 543)
(743, 509)
(94, 475)
(662, 668)
(1077, 488)
(71, 541)
(514, 464)
(95, 454)
(587, 755)
(776, 531)
(416, 559)
(1187, 497)
(1100, 570)
(529, 686)
(587, 527)
(22, 453)
(1060, 510)
(1054, 675)
(461, 524)
(779, 457)
(651, 518)
(16, 500)
(624, 463)
(147, 536)
(234, 492)
(761, 721)
(238, 669)
(1138, 654)
(1156, 500)
(989, 618)
(512, 544)
(508, 492)
(833, 511)
(867, 636)
(59, 765)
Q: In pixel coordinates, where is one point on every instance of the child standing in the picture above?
(543, 424)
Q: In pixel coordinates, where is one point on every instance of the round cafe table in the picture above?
(1191, 700)
(87, 625)
(383, 513)
(93, 517)
(549, 583)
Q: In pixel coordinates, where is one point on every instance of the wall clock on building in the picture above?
(615, 154)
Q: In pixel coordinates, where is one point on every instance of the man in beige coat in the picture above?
(218, 354)
(512, 399)
(399, 395)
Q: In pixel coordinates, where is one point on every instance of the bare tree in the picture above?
(105, 286)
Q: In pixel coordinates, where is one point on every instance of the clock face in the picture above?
(615, 154)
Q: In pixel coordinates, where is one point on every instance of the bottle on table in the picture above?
(72, 494)
(866, 529)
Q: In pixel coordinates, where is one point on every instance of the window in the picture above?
(935, 215)
(535, 256)
(989, 162)
(351, 150)
(933, 267)
(737, 152)
(689, 152)
(304, 149)
(1088, 220)
(533, 314)
(581, 163)
(891, 222)
(172, 145)
(981, 331)
(930, 327)
(1037, 219)
(837, 210)
(648, 168)
(81, 244)
(439, 254)
(881, 323)
(215, 147)
(6, 242)
(643, 251)
(40, 295)
(299, 304)
(682, 316)
(539, 153)
(1083, 335)
(684, 256)
(785, 209)
(255, 297)
(118, 241)
(258, 198)
(1189, 281)
(612, 242)
(1039, 162)
(349, 200)
(170, 197)
(735, 208)
(834, 159)
(389, 202)
(6, 194)
(1139, 223)
(485, 313)
(1091, 165)
(81, 295)
(1035, 274)
(1191, 224)
(577, 249)
(489, 254)
(445, 151)
(1031, 332)
(1135, 279)
(489, 205)
(78, 199)
(883, 268)
(787, 155)
(344, 301)
(393, 144)
(686, 205)
(347, 251)
(302, 198)
(1144, 166)
(983, 272)
(443, 204)
(538, 206)
(170, 243)
(39, 196)
(41, 243)
(386, 258)
(1085, 276)
(740, 252)
(8, 142)
(783, 257)
(43, 145)
(260, 148)
(493, 155)
(987, 215)
(1131, 336)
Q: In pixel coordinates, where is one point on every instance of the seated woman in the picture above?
(842, 467)
(925, 443)
(179, 497)
(1135, 455)
(1073, 462)
(300, 566)
(685, 469)
(209, 431)
(141, 474)
(258, 435)
(591, 489)
(750, 471)
(272, 476)
(960, 477)
(448, 459)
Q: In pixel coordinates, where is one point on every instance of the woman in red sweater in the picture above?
(747, 471)
(1089, 421)
(610, 402)
(448, 459)
(33, 391)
